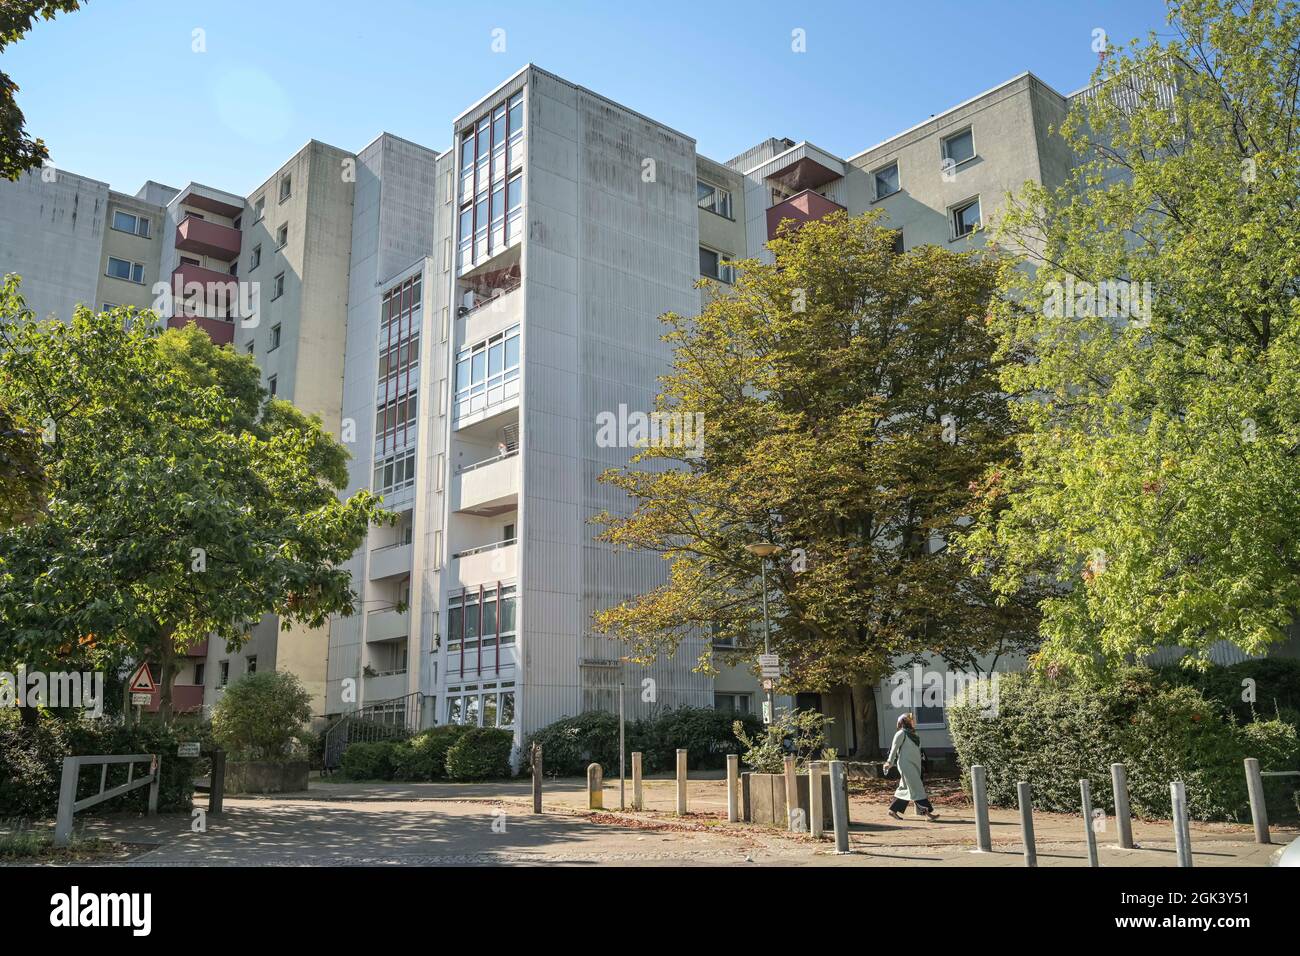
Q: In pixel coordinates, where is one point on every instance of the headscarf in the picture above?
(903, 724)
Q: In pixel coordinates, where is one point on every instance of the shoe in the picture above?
(931, 815)
(895, 815)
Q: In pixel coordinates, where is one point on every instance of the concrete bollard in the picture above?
(980, 794)
(637, 802)
(1182, 831)
(1085, 793)
(1025, 798)
(1258, 810)
(681, 783)
(746, 797)
(217, 790)
(537, 778)
(733, 788)
(792, 815)
(595, 787)
(1123, 819)
(815, 809)
(840, 806)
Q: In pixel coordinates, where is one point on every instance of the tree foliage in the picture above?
(18, 151)
(182, 503)
(850, 404)
(1158, 478)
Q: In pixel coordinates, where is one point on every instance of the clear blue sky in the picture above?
(117, 93)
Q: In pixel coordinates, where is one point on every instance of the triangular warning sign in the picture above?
(142, 680)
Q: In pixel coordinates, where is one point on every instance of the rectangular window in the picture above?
(394, 473)
(122, 269)
(713, 267)
(282, 236)
(488, 372)
(251, 666)
(223, 673)
(259, 209)
(490, 216)
(713, 198)
(958, 148)
(275, 337)
(965, 218)
(126, 222)
(731, 703)
(272, 385)
(286, 187)
(255, 258)
(250, 347)
(886, 180)
(898, 242)
(278, 288)
(199, 669)
(470, 624)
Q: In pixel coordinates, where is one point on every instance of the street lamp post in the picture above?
(764, 550)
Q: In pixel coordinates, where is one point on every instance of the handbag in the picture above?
(893, 773)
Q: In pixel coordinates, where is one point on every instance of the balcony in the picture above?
(186, 699)
(197, 650)
(387, 625)
(390, 561)
(221, 331)
(804, 207)
(208, 238)
(498, 561)
(385, 686)
(489, 487)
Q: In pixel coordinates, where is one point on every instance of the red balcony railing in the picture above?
(186, 699)
(221, 331)
(208, 238)
(802, 207)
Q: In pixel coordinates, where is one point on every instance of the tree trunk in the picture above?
(166, 674)
(866, 723)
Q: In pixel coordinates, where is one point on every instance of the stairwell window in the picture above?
(713, 198)
(126, 222)
(122, 269)
(255, 258)
(958, 148)
(394, 472)
(277, 288)
(286, 187)
(275, 337)
(223, 673)
(965, 218)
(259, 209)
(487, 373)
(886, 180)
(712, 266)
(282, 236)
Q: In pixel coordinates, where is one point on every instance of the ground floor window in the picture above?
(732, 703)
(482, 705)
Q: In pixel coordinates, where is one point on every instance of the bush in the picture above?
(801, 733)
(1276, 687)
(480, 753)
(424, 756)
(31, 763)
(706, 734)
(259, 716)
(1052, 733)
(571, 743)
(369, 760)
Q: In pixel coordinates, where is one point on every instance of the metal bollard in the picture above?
(1025, 798)
(1182, 831)
(1258, 810)
(1123, 819)
(537, 778)
(1085, 792)
(815, 808)
(979, 792)
(840, 806)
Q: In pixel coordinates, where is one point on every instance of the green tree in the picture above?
(1158, 479)
(259, 715)
(850, 402)
(18, 151)
(22, 478)
(182, 503)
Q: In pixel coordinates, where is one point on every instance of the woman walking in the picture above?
(905, 754)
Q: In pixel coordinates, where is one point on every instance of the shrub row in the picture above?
(450, 752)
(1052, 733)
(31, 763)
(570, 744)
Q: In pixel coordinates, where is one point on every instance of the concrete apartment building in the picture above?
(460, 319)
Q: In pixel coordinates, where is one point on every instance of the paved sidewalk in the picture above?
(342, 824)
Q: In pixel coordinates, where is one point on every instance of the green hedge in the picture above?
(570, 744)
(448, 752)
(481, 753)
(1052, 733)
(1276, 687)
(31, 763)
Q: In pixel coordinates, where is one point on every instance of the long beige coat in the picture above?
(906, 756)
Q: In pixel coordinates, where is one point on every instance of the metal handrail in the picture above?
(501, 456)
(485, 547)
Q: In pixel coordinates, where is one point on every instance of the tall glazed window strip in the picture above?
(487, 373)
(491, 152)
